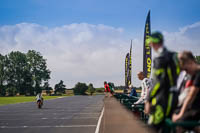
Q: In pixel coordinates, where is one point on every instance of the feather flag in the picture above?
(147, 49)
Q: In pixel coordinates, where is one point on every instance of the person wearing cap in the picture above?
(146, 86)
(133, 91)
(162, 97)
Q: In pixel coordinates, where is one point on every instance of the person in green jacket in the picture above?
(162, 98)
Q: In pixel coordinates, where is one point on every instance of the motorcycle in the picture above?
(39, 103)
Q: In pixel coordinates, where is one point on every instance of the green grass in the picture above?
(21, 99)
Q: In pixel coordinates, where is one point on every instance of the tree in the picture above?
(91, 88)
(22, 73)
(38, 70)
(12, 91)
(28, 82)
(60, 87)
(15, 70)
(197, 59)
(100, 90)
(80, 89)
(3, 75)
(47, 88)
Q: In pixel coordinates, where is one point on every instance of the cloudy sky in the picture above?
(87, 40)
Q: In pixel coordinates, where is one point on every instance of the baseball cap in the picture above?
(155, 37)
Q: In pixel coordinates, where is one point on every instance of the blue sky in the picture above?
(87, 40)
(129, 14)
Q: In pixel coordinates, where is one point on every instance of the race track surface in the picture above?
(76, 114)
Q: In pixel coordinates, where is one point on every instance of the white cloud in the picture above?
(88, 53)
(187, 38)
(76, 52)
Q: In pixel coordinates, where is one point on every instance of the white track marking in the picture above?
(49, 113)
(99, 121)
(77, 118)
(61, 126)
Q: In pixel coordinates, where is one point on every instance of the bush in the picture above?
(91, 89)
(80, 89)
(100, 90)
(12, 91)
(56, 95)
(60, 87)
(2, 91)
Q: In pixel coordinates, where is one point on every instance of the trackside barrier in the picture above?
(117, 95)
(170, 127)
(128, 102)
(140, 108)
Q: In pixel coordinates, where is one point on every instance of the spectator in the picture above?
(133, 91)
(111, 86)
(183, 84)
(190, 109)
(161, 99)
(107, 89)
(146, 86)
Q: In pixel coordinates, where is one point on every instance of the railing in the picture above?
(169, 126)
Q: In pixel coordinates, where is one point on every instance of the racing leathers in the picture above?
(163, 95)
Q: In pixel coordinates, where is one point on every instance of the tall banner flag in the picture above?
(126, 69)
(147, 49)
(130, 66)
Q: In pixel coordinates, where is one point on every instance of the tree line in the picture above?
(23, 73)
(27, 74)
(197, 59)
(81, 88)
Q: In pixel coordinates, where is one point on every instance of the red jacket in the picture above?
(107, 88)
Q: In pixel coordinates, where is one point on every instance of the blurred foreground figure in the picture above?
(163, 96)
(190, 109)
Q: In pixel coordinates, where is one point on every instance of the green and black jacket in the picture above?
(165, 73)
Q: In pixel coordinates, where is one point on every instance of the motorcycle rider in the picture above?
(39, 97)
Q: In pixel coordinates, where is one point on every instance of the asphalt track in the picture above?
(76, 114)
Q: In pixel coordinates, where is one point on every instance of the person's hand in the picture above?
(176, 117)
(147, 108)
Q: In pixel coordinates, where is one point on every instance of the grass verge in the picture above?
(21, 99)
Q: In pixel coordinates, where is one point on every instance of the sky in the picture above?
(87, 40)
